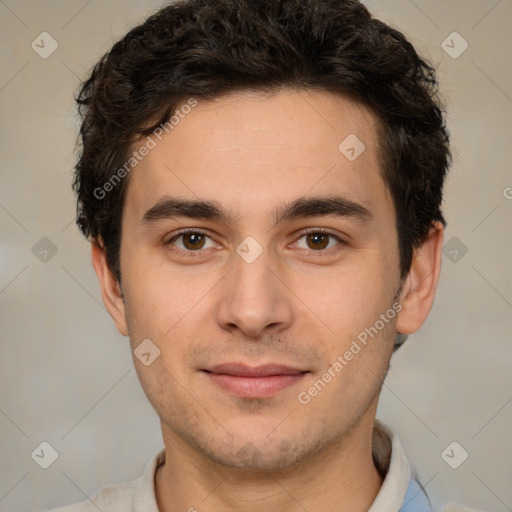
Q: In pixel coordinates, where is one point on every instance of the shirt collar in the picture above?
(388, 453)
(145, 498)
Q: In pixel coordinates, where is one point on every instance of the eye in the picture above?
(318, 240)
(191, 241)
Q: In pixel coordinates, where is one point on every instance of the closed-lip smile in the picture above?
(262, 381)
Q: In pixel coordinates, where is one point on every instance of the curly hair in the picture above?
(204, 49)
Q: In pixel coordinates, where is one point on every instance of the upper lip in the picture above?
(242, 370)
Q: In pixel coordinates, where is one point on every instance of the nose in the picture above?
(255, 300)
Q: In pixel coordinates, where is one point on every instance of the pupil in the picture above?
(193, 240)
(319, 240)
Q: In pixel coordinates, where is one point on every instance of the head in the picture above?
(265, 120)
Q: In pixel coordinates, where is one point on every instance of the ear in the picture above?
(420, 285)
(110, 287)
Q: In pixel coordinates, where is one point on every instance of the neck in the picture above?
(340, 477)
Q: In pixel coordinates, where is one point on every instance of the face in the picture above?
(289, 255)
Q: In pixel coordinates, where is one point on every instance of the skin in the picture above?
(301, 302)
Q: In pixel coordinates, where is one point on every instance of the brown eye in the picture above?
(318, 241)
(191, 241)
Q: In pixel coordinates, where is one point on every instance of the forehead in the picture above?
(252, 151)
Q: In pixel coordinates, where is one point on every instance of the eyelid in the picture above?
(325, 231)
(184, 231)
(307, 231)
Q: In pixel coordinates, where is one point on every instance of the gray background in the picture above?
(66, 375)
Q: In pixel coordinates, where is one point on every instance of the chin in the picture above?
(257, 453)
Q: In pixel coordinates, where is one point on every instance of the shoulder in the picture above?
(112, 498)
(455, 507)
(415, 499)
(137, 494)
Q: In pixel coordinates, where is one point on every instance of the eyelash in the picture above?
(303, 233)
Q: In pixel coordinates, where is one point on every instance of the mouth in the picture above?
(254, 381)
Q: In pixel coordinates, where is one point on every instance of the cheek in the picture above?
(150, 284)
(164, 304)
(348, 298)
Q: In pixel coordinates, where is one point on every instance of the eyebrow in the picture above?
(170, 207)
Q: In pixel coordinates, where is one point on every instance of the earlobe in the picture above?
(110, 287)
(420, 285)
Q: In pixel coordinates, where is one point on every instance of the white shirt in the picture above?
(398, 493)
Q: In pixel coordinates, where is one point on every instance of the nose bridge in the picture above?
(252, 275)
(253, 298)
(252, 269)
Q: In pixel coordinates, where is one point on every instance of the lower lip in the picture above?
(255, 387)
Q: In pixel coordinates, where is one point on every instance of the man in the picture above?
(261, 182)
